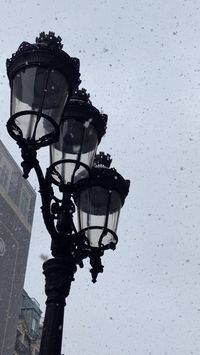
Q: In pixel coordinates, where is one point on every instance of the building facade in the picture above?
(17, 201)
(29, 328)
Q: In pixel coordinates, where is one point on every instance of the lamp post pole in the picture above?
(48, 109)
(59, 275)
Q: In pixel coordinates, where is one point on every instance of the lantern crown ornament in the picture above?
(102, 160)
(49, 40)
(81, 95)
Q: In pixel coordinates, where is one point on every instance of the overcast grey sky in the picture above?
(140, 60)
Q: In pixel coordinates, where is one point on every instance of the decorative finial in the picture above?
(49, 40)
(102, 160)
(81, 95)
(95, 262)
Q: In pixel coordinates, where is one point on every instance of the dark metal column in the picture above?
(59, 275)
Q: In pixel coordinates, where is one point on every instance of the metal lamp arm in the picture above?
(46, 193)
(30, 161)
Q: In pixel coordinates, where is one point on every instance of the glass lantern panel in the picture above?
(78, 143)
(99, 207)
(41, 90)
(31, 127)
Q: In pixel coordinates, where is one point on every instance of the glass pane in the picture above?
(95, 201)
(57, 91)
(39, 89)
(78, 142)
(32, 127)
(94, 235)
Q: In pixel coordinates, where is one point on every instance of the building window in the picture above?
(15, 185)
(24, 203)
(5, 175)
(33, 325)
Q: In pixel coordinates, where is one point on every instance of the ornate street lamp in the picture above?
(48, 109)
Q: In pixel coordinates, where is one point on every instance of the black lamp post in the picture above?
(48, 109)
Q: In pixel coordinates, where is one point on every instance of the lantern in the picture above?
(42, 77)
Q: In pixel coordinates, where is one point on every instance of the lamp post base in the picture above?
(59, 274)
